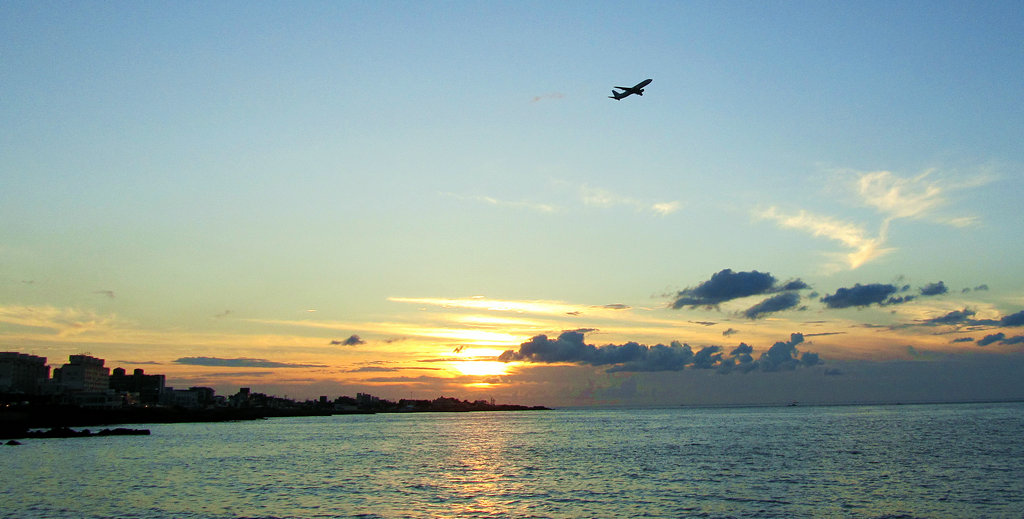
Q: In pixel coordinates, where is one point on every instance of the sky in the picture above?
(813, 202)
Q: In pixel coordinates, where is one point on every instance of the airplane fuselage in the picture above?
(637, 89)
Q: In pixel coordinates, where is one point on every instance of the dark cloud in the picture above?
(728, 285)
(955, 317)
(372, 369)
(1016, 319)
(776, 303)
(1001, 338)
(982, 287)
(989, 339)
(740, 358)
(730, 331)
(708, 357)
(820, 334)
(570, 347)
(241, 363)
(833, 371)
(795, 284)
(865, 295)
(742, 349)
(353, 340)
(934, 289)
(108, 293)
(704, 323)
(616, 306)
(963, 339)
(810, 359)
(223, 314)
(783, 355)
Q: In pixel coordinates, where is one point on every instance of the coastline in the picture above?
(17, 423)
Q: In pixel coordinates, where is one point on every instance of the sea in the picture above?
(870, 461)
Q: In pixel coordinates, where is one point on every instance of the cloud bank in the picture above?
(240, 363)
(570, 348)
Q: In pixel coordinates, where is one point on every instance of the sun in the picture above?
(481, 368)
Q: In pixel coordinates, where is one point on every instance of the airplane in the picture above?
(628, 91)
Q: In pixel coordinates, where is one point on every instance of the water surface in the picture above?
(856, 461)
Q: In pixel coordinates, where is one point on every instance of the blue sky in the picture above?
(449, 181)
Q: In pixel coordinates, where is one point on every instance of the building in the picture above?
(148, 387)
(83, 373)
(22, 373)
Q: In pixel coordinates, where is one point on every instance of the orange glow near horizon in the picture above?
(481, 368)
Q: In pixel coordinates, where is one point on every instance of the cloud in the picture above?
(865, 295)
(899, 197)
(727, 285)
(783, 355)
(963, 339)
(989, 339)
(729, 332)
(865, 248)
(776, 303)
(241, 363)
(570, 348)
(666, 208)
(372, 369)
(934, 289)
(615, 306)
(553, 95)
(597, 197)
(353, 340)
(1001, 338)
(1016, 319)
(894, 197)
(513, 204)
(955, 317)
(911, 197)
(108, 293)
(64, 321)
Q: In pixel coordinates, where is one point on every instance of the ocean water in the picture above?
(855, 461)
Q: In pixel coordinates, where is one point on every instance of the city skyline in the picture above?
(809, 202)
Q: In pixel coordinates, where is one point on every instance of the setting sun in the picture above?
(481, 367)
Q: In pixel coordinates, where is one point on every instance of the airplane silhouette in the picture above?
(628, 91)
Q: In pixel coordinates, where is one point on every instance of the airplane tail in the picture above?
(615, 95)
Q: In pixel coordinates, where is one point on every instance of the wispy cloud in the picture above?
(241, 363)
(914, 197)
(552, 95)
(864, 246)
(599, 197)
(893, 197)
(513, 204)
(64, 321)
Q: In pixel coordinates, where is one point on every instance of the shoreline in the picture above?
(19, 422)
